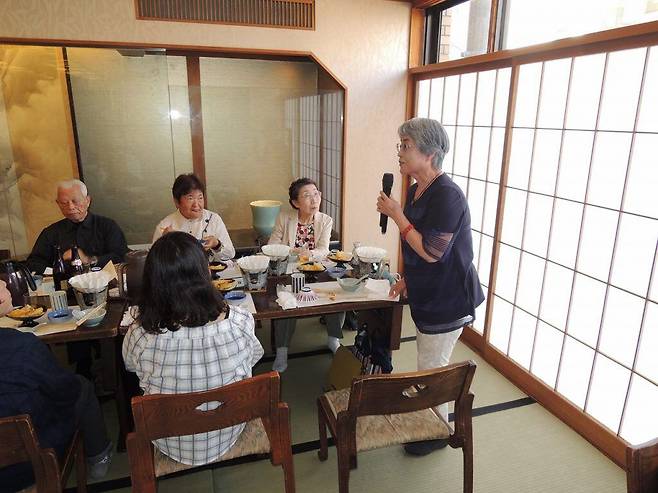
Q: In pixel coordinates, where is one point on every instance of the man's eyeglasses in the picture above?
(309, 196)
(403, 146)
(69, 203)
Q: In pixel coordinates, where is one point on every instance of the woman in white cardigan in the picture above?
(191, 217)
(307, 231)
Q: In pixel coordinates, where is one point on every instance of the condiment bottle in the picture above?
(76, 262)
(59, 271)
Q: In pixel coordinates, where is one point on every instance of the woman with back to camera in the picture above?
(440, 280)
(186, 339)
(307, 231)
(206, 226)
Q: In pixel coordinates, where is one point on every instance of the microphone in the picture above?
(387, 184)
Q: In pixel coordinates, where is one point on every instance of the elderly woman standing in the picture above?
(191, 217)
(304, 229)
(440, 280)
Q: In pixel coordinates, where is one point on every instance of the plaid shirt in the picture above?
(195, 359)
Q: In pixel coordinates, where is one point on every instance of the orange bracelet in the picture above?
(405, 231)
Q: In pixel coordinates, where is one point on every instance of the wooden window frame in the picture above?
(635, 36)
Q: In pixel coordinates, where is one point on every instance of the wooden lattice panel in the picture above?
(290, 14)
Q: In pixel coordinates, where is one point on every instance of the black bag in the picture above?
(372, 353)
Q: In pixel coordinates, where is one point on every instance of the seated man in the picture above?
(31, 382)
(99, 239)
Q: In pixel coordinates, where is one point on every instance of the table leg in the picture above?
(127, 387)
(109, 375)
(383, 324)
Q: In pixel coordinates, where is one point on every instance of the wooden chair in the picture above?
(255, 401)
(20, 444)
(383, 410)
(642, 467)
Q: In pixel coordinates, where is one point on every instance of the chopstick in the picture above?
(90, 313)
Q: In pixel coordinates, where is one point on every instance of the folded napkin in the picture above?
(378, 289)
(286, 300)
(91, 282)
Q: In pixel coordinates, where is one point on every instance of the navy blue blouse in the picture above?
(448, 289)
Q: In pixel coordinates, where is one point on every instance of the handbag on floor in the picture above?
(366, 357)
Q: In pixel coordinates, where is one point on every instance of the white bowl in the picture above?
(254, 263)
(93, 321)
(276, 251)
(370, 254)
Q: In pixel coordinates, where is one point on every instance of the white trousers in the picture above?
(434, 351)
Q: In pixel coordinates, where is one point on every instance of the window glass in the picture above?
(529, 22)
(463, 30)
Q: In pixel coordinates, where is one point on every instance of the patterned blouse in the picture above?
(305, 236)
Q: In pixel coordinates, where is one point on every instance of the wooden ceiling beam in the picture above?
(425, 4)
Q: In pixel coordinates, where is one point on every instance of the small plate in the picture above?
(336, 272)
(30, 316)
(217, 266)
(225, 284)
(235, 297)
(311, 267)
(60, 316)
(340, 257)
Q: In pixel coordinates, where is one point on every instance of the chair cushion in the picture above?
(390, 429)
(252, 440)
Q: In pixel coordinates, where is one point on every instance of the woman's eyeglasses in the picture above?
(309, 196)
(403, 146)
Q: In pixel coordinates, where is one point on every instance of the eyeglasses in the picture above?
(309, 196)
(403, 146)
(69, 203)
(192, 198)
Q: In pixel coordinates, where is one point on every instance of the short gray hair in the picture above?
(429, 136)
(66, 184)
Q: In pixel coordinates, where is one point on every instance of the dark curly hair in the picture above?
(176, 287)
(296, 186)
(184, 184)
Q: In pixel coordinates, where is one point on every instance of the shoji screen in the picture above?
(473, 108)
(576, 295)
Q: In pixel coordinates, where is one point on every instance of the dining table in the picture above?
(380, 316)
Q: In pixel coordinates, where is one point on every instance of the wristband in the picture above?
(405, 231)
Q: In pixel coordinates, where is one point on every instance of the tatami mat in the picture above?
(523, 450)
(519, 450)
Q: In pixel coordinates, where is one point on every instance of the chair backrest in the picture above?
(165, 415)
(20, 444)
(408, 392)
